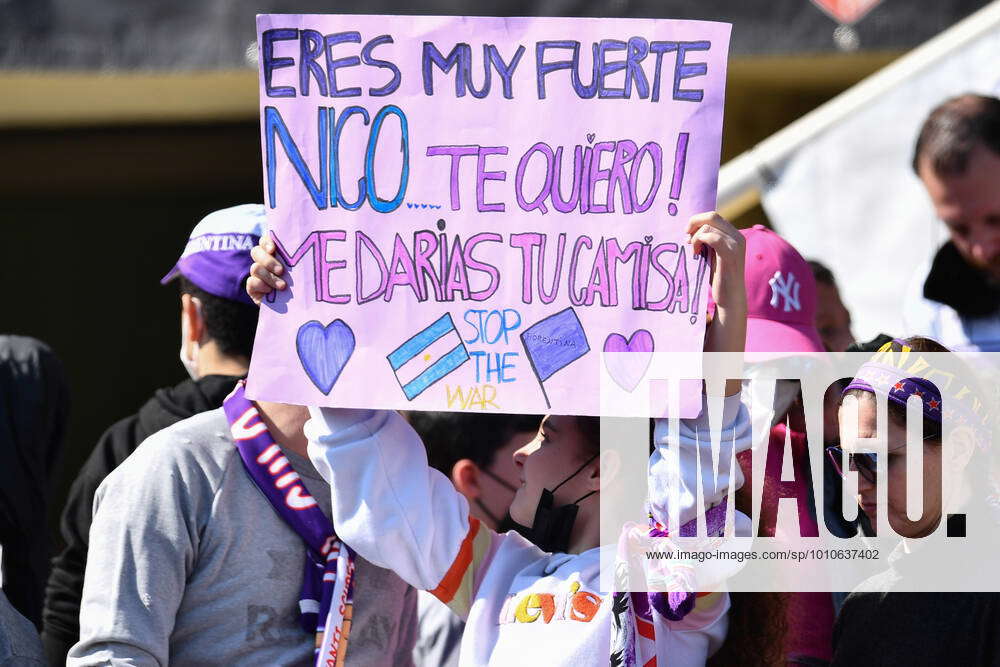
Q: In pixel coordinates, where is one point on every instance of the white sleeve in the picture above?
(694, 442)
(699, 635)
(691, 640)
(393, 509)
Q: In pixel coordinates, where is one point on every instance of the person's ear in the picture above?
(961, 447)
(465, 477)
(606, 468)
(191, 315)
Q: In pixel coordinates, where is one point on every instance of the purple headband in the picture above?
(876, 378)
(896, 383)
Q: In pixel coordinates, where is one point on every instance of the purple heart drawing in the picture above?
(324, 351)
(627, 369)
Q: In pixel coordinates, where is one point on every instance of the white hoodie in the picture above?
(521, 605)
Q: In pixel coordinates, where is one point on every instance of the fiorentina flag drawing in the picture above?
(428, 356)
(553, 343)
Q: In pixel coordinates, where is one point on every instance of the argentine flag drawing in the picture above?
(428, 356)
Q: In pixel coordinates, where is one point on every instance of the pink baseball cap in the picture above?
(781, 295)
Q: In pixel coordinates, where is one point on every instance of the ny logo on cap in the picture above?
(786, 287)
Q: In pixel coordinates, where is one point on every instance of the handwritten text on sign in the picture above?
(472, 208)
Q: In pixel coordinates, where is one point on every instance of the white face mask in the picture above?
(190, 361)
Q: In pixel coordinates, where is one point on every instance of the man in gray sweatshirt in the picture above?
(191, 563)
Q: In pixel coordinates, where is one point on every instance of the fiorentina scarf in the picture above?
(633, 633)
(328, 581)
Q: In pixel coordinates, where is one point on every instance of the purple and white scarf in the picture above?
(633, 630)
(327, 600)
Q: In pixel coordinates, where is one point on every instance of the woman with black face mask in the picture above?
(524, 605)
(551, 526)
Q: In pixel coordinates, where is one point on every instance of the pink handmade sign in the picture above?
(472, 209)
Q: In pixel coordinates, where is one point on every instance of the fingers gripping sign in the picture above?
(729, 247)
(265, 271)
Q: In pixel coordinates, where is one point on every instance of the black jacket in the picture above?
(915, 629)
(65, 587)
(34, 405)
(882, 625)
(954, 283)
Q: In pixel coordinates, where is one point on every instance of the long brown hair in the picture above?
(756, 635)
(758, 623)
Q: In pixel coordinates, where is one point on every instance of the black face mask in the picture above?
(485, 510)
(552, 526)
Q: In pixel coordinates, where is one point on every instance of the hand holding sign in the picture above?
(265, 271)
(712, 230)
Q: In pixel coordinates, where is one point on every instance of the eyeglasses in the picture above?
(865, 463)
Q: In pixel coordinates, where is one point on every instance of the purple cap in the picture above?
(217, 255)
